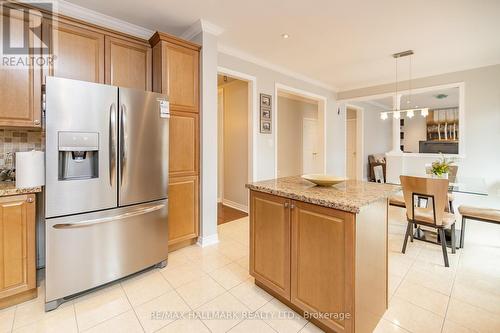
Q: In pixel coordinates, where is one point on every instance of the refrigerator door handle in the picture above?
(123, 142)
(87, 223)
(112, 143)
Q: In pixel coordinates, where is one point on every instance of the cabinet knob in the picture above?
(37, 122)
(292, 206)
(286, 204)
(30, 200)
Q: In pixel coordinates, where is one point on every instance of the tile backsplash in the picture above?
(14, 140)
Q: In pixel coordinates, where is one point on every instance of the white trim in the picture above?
(235, 205)
(225, 49)
(91, 16)
(322, 101)
(208, 240)
(201, 26)
(253, 117)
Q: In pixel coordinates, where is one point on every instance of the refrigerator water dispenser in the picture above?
(78, 155)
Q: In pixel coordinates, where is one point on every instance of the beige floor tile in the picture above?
(233, 250)
(34, 310)
(145, 287)
(488, 300)
(394, 282)
(480, 281)
(281, 318)
(399, 264)
(200, 291)
(311, 328)
(100, 306)
(423, 297)
(211, 262)
(428, 277)
(230, 276)
(472, 317)
(161, 311)
(63, 321)
(225, 303)
(249, 294)
(244, 262)
(412, 249)
(176, 259)
(385, 326)
(185, 326)
(125, 323)
(179, 275)
(435, 255)
(412, 318)
(195, 251)
(451, 327)
(7, 319)
(254, 325)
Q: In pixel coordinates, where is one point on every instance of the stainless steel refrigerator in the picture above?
(106, 202)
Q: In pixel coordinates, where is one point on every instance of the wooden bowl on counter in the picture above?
(323, 180)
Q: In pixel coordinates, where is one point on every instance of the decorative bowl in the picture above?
(323, 180)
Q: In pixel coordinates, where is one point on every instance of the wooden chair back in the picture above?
(452, 175)
(431, 188)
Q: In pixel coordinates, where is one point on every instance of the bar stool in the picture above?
(489, 215)
(435, 216)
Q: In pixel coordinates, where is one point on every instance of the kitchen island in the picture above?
(322, 250)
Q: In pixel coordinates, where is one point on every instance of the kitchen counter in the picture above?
(9, 188)
(349, 196)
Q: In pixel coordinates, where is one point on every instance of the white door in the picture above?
(351, 149)
(310, 146)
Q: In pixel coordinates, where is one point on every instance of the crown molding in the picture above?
(69, 9)
(201, 26)
(263, 63)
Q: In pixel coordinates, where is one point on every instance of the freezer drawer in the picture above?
(88, 250)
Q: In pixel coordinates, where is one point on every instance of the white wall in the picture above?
(415, 130)
(290, 118)
(377, 134)
(482, 118)
(235, 143)
(265, 162)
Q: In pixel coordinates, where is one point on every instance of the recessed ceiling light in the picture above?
(285, 36)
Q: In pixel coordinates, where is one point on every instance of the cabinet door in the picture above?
(183, 209)
(323, 241)
(181, 81)
(20, 83)
(184, 144)
(270, 241)
(79, 53)
(17, 248)
(128, 63)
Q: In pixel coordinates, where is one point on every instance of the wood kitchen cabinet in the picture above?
(78, 51)
(183, 200)
(17, 249)
(20, 84)
(270, 242)
(176, 74)
(128, 63)
(322, 241)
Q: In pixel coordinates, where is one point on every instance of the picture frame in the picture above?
(265, 113)
(265, 101)
(265, 127)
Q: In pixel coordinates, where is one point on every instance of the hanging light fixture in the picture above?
(409, 111)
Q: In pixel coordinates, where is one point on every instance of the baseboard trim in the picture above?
(235, 205)
(208, 240)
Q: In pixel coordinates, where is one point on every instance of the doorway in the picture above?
(354, 143)
(233, 147)
(299, 133)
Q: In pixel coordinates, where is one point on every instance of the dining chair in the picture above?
(433, 214)
(489, 215)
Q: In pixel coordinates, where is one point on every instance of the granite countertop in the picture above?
(9, 188)
(349, 196)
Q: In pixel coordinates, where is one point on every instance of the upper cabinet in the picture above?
(78, 52)
(176, 61)
(128, 63)
(20, 83)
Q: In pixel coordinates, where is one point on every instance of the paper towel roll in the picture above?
(30, 169)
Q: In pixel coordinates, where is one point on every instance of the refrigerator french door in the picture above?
(106, 185)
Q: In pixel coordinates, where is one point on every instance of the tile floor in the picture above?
(424, 295)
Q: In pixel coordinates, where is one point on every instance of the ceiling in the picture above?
(343, 44)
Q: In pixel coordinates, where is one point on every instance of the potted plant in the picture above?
(441, 167)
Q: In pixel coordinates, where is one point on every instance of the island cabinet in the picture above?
(17, 249)
(328, 264)
(176, 74)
